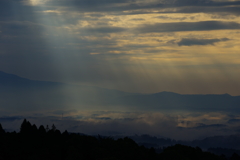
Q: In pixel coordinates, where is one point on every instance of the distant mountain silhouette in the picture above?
(18, 92)
(6, 79)
(174, 101)
(227, 142)
(231, 142)
(11, 80)
(24, 92)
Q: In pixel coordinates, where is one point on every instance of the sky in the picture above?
(183, 46)
(137, 46)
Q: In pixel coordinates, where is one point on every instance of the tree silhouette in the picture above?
(28, 128)
(1, 129)
(47, 128)
(235, 156)
(34, 129)
(42, 130)
(25, 127)
(57, 132)
(53, 128)
(37, 144)
(65, 133)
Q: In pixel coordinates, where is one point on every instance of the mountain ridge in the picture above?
(12, 78)
(15, 87)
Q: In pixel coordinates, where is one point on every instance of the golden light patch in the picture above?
(94, 53)
(115, 52)
(36, 2)
(189, 121)
(53, 11)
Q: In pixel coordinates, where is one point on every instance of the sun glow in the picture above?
(36, 2)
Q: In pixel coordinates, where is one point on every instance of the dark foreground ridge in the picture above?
(33, 143)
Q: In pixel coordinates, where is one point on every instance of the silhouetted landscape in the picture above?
(219, 145)
(119, 79)
(19, 93)
(230, 142)
(49, 143)
(30, 93)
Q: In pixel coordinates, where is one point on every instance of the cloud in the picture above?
(194, 41)
(124, 123)
(104, 30)
(233, 10)
(203, 126)
(15, 10)
(141, 7)
(138, 19)
(188, 26)
(117, 7)
(91, 5)
(172, 18)
(21, 28)
(10, 118)
(233, 121)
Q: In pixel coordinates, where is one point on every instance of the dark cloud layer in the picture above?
(232, 121)
(204, 126)
(16, 10)
(11, 8)
(188, 26)
(194, 41)
(135, 6)
(105, 30)
(10, 119)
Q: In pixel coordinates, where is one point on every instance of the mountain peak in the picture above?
(7, 75)
(12, 80)
(166, 93)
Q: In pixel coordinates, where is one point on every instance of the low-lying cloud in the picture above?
(195, 41)
(188, 26)
(130, 123)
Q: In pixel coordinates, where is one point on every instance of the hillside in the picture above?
(41, 142)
